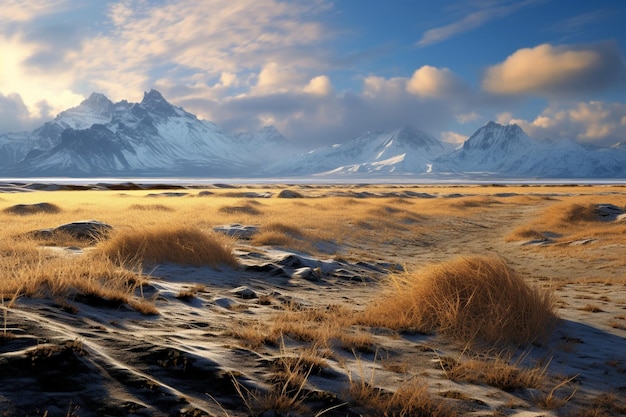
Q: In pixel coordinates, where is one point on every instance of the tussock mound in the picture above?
(289, 194)
(470, 299)
(577, 213)
(85, 230)
(185, 246)
(37, 208)
(246, 209)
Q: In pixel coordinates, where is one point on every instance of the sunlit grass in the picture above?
(472, 299)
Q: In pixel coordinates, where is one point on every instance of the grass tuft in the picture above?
(181, 245)
(469, 299)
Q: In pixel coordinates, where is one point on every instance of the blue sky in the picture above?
(326, 71)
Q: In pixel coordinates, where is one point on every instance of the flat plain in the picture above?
(309, 300)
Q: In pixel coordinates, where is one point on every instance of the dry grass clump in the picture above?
(247, 209)
(150, 207)
(577, 213)
(524, 233)
(573, 213)
(410, 399)
(89, 279)
(16, 252)
(469, 299)
(321, 326)
(474, 202)
(496, 372)
(279, 234)
(181, 245)
(604, 405)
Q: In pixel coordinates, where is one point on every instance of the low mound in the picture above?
(150, 207)
(37, 208)
(246, 209)
(525, 233)
(470, 299)
(184, 245)
(577, 213)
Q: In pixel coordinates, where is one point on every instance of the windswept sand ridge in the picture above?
(86, 356)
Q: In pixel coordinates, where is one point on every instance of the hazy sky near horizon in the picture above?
(326, 71)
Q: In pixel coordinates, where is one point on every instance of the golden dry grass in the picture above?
(574, 228)
(468, 298)
(181, 245)
(494, 371)
(411, 398)
(524, 233)
(32, 272)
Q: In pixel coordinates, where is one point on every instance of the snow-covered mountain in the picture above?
(498, 150)
(152, 137)
(399, 152)
(155, 138)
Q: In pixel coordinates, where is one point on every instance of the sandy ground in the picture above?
(112, 361)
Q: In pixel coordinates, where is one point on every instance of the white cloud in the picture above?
(587, 122)
(374, 86)
(15, 116)
(453, 137)
(547, 70)
(33, 86)
(215, 47)
(186, 37)
(504, 118)
(274, 78)
(472, 21)
(318, 119)
(319, 85)
(228, 79)
(434, 82)
(22, 11)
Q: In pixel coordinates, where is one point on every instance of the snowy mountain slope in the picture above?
(152, 137)
(155, 138)
(401, 151)
(507, 151)
(15, 146)
(493, 148)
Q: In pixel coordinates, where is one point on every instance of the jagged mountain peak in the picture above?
(153, 96)
(153, 137)
(410, 135)
(97, 108)
(510, 129)
(272, 134)
(154, 102)
(494, 135)
(96, 101)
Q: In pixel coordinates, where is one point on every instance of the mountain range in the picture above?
(154, 138)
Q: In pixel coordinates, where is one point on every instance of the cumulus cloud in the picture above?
(550, 71)
(314, 119)
(434, 82)
(275, 78)
(594, 122)
(14, 114)
(319, 85)
(33, 87)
